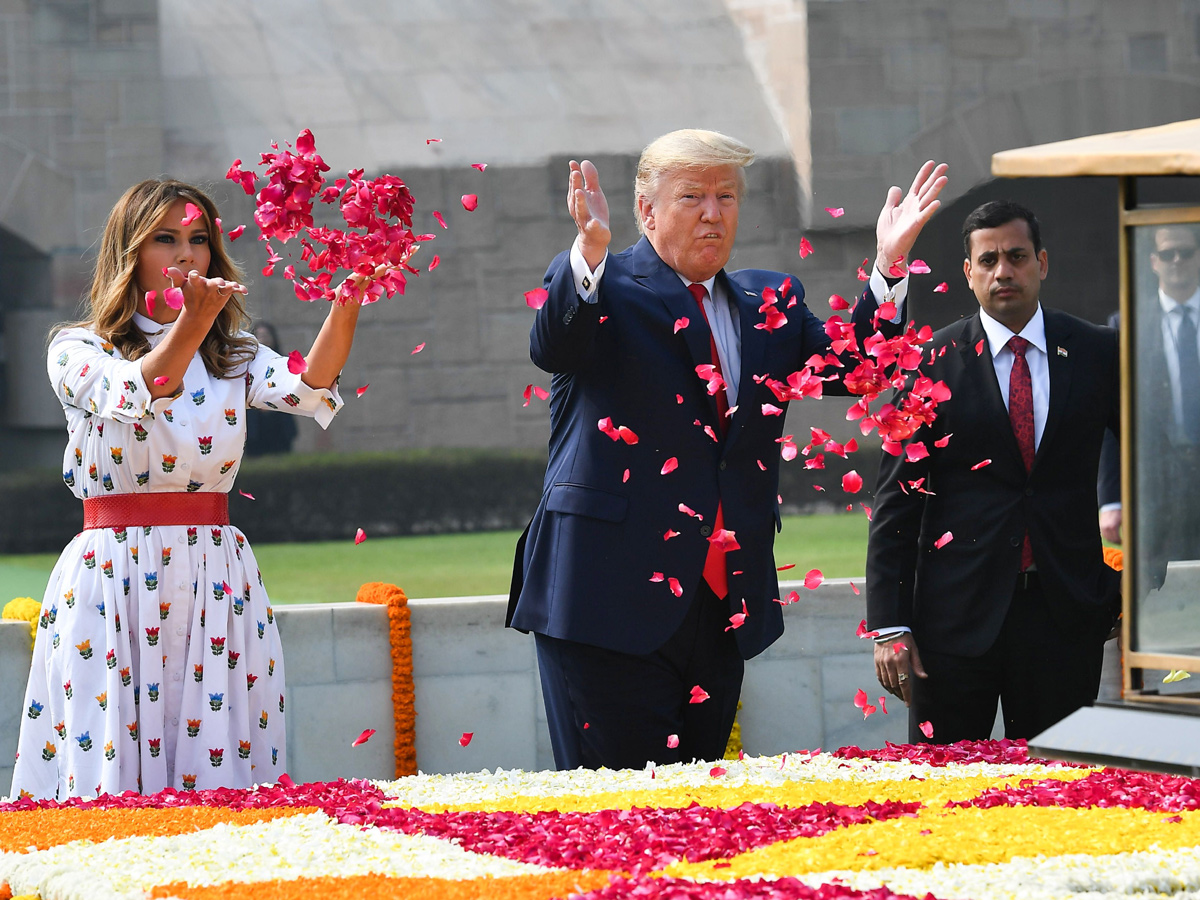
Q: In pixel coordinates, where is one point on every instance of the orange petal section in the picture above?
(45, 828)
(378, 887)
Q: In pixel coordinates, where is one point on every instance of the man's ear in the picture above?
(1043, 264)
(645, 212)
(967, 271)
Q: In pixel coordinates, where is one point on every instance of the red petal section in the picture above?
(1110, 787)
(634, 840)
(643, 887)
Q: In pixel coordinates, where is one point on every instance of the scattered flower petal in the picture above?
(296, 362)
(836, 211)
(536, 298)
(359, 537)
(943, 540)
(805, 248)
(699, 694)
(669, 466)
(363, 738)
(466, 738)
(470, 201)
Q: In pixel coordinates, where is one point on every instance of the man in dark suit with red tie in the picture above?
(647, 572)
(985, 574)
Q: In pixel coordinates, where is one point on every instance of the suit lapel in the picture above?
(660, 279)
(745, 300)
(1058, 336)
(981, 372)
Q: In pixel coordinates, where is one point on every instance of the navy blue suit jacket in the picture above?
(584, 565)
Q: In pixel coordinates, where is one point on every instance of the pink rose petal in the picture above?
(434, 263)
(246, 495)
(359, 537)
(943, 540)
(173, 297)
(852, 482)
(837, 212)
(919, 267)
(466, 738)
(699, 694)
(941, 288)
(161, 380)
(669, 466)
(417, 349)
(362, 390)
(363, 738)
(672, 741)
(681, 323)
(981, 464)
(813, 579)
(437, 215)
(470, 201)
(191, 213)
(296, 362)
(805, 248)
(479, 166)
(236, 233)
(675, 586)
(926, 729)
(536, 298)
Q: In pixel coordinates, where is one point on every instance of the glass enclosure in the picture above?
(1160, 337)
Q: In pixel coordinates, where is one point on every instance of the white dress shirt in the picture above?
(1034, 331)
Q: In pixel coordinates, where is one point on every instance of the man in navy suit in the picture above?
(984, 549)
(647, 572)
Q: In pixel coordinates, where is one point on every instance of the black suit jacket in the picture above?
(955, 597)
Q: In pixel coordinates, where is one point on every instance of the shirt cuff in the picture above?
(890, 634)
(1109, 507)
(883, 293)
(586, 280)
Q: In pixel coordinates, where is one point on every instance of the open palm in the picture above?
(589, 208)
(902, 218)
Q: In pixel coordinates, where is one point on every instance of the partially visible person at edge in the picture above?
(635, 665)
(157, 661)
(265, 433)
(985, 553)
(1168, 398)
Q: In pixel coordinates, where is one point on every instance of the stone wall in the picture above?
(472, 674)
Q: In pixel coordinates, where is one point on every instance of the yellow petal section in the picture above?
(968, 836)
(931, 792)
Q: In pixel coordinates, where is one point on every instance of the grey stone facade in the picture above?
(841, 98)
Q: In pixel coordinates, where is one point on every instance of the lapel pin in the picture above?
(1062, 351)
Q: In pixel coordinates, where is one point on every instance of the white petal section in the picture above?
(307, 846)
(486, 787)
(1078, 876)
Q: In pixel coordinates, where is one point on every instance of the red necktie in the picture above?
(1020, 413)
(715, 569)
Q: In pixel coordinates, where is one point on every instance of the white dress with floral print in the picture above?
(157, 662)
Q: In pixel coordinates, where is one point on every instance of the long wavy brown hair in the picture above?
(115, 294)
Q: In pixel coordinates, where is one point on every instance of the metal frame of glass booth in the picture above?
(1167, 150)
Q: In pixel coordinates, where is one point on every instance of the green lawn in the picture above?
(452, 565)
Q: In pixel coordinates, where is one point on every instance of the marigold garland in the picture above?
(403, 692)
(24, 609)
(1114, 558)
(519, 887)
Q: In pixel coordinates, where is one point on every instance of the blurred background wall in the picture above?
(841, 98)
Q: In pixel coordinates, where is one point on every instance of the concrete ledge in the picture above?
(471, 674)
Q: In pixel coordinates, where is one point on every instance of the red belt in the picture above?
(166, 508)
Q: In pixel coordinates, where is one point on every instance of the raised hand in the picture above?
(589, 208)
(901, 219)
(203, 297)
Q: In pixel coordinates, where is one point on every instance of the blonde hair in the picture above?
(689, 148)
(114, 294)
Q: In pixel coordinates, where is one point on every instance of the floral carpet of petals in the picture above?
(972, 821)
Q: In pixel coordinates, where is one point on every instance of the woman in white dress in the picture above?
(157, 662)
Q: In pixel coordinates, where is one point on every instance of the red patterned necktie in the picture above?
(715, 568)
(1020, 413)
